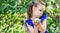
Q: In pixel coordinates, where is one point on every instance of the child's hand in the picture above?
(37, 22)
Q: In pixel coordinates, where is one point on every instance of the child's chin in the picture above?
(38, 17)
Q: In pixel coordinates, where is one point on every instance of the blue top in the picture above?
(29, 21)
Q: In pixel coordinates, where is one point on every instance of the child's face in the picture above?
(38, 11)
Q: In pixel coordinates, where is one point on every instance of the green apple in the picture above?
(36, 19)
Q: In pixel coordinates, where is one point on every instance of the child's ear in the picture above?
(34, 8)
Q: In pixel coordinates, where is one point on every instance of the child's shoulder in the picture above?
(44, 16)
(28, 21)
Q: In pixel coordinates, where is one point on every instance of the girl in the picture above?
(36, 10)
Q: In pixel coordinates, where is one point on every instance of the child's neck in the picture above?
(33, 17)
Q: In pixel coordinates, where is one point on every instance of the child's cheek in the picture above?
(37, 14)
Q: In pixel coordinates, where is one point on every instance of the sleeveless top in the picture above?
(29, 21)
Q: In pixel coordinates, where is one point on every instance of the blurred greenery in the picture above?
(12, 15)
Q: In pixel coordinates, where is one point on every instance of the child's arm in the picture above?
(42, 27)
(35, 29)
(32, 30)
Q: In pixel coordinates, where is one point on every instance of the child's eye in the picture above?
(40, 10)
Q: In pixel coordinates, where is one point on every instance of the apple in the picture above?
(36, 19)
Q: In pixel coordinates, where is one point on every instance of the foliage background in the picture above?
(12, 15)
